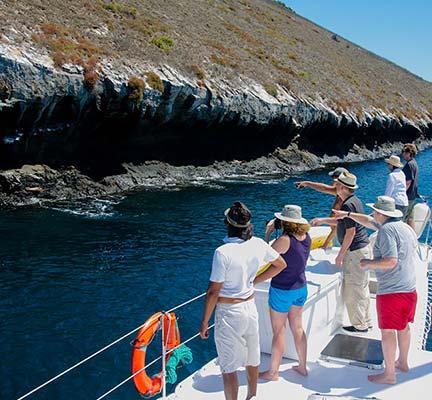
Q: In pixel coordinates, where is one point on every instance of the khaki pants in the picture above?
(355, 288)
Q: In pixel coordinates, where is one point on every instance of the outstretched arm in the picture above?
(332, 221)
(362, 219)
(319, 187)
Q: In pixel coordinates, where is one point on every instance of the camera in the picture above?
(277, 223)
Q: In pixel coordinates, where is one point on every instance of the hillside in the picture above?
(209, 39)
(101, 83)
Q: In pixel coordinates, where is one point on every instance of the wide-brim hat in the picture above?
(291, 213)
(347, 179)
(386, 205)
(394, 161)
(337, 172)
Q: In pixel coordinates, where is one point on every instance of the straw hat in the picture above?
(291, 213)
(394, 161)
(347, 179)
(386, 205)
(337, 171)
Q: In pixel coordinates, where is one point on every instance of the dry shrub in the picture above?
(90, 79)
(136, 86)
(199, 73)
(246, 36)
(68, 46)
(292, 56)
(224, 62)
(285, 83)
(154, 81)
(271, 90)
(120, 9)
(147, 26)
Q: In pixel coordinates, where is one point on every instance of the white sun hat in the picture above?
(386, 205)
(347, 179)
(291, 213)
(394, 161)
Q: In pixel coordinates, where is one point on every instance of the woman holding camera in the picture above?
(288, 289)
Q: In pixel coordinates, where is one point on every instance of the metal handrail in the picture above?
(101, 350)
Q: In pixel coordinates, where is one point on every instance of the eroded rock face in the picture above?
(40, 184)
(194, 133)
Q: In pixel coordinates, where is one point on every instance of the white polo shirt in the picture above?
(236, 264)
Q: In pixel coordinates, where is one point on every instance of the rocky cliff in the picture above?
(192, 111)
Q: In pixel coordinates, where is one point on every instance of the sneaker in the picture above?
(353, 329)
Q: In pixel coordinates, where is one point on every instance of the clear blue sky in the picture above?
(400, 31)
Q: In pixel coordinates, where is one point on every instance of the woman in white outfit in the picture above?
(396, 183)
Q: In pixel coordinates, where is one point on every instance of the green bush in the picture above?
(163, 42)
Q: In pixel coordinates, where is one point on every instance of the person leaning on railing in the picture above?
(327, 189)
(394, 262)
(235, 266)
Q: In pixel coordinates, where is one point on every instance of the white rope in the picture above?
(100, 351)
(129, 378)
(157, 359)
(187, 302)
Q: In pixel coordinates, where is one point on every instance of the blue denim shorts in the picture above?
(281, 300)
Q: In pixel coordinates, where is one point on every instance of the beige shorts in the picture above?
(237, 336)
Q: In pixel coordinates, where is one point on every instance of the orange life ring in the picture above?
(145, 385)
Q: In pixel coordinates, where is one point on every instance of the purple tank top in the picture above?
(293, 276)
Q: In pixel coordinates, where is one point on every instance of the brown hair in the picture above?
(410, 148)
(291, 228)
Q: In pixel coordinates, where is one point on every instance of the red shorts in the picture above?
(395, 310)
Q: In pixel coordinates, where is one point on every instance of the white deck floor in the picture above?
(327, 378)
(324, 378)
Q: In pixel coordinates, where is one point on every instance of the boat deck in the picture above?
(326, 377)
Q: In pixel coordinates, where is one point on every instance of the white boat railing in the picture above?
(164, 353)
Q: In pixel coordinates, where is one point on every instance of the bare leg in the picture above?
(389, 349)
(278, 321)
(404, 339)
(295, 321)
(230, 385)
(252, 377)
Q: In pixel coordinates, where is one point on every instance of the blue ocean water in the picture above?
(73, 281)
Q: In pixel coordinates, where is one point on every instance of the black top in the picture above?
(361, 238)
(411, 172)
